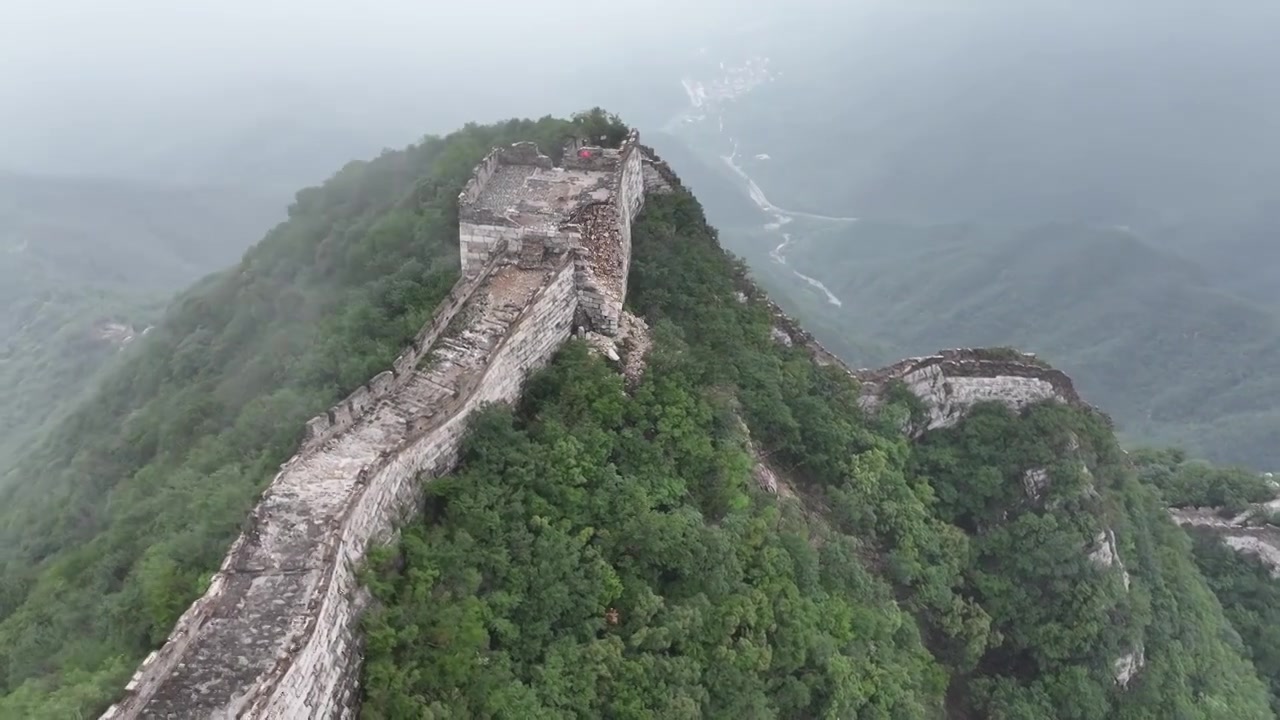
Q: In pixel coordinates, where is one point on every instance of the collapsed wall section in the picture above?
(604, 232)
(517, 197)
(275, 635)
(518, 203)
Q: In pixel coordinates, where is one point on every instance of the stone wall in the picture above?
(597, 229)
(478, 243)
(604, 251)
(951, 382)
(322, 680)
(342, 416)
(524, 153)
(599, 263)
(630, 198)
(659, 177)
(1243, 533)
(480, 177)
(483, 233)
(275, 635)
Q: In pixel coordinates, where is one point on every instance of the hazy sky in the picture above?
(165, 87)
(78, 77)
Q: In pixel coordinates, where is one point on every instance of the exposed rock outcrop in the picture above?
(116, 334)
(1127, 667)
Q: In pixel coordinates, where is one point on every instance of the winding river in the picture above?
(696, 112)
(781, 216)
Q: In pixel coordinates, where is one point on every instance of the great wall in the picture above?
(1250, 532)
(545, 251)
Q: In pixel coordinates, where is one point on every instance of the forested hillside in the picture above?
(605, 550)
(1249, 593)
(1173, 351)
(110, 526)
(86, 265)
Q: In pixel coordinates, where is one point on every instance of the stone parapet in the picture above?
(275, 635)
(343, 415)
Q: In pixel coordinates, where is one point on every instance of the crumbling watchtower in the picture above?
(519, 206)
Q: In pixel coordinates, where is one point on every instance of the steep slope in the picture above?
(85, 267)
(1042, 579)
(1230, 514)
(1250, 595)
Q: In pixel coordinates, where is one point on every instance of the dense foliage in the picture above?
(1249, 594)
(111, 526)
(1188, 483)
(1064, 613)
(588, 500)
(602, 555)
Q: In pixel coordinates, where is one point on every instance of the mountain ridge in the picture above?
(948, 384)
(910, 477)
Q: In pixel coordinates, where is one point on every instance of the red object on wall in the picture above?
(584, 153)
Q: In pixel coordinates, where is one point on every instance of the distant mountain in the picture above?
(1134, 113)
(1092, 182)
(1176, 349)
(1146, 334)
(86, 265)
